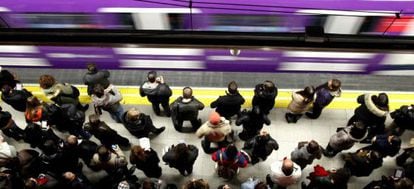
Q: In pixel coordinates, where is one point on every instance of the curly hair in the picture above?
(46, 81)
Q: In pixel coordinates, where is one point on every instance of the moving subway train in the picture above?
(350, 17)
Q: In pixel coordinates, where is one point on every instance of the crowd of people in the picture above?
(55, 162)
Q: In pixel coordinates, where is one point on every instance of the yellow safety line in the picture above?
(208, 95)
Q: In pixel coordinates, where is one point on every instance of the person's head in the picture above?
(214, 118)
(94, 120)
(98, 90)
(50, 147)
(181, 151)
(34, 111)
(264, 137)
(151, 76)
(287, 166)
(132, 114)
(33, 102)
(232, 87)
(138, 152)
(231, 151)
(196, 184)
(123, 185)
(374, 155)
(187, 92)
(403, 183)
(69, 176)
(46, 81)
(269, 86)
(313, 147)
(340, 176)
(381, 101)
(394, 140)
(30, 183)
(309, 92)
(72, 140)
(103, 153)
(224, 186)
(148, 184)
(358, 130)
(92, 68)
(334, 84)
(6, 89)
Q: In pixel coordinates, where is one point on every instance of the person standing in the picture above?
(157, 92)
(94, 77)
(139, 124)
(229, 104)
(186, 107)
(9, 127)
(305, 153)
(215, 130)
(325, 93)
(108, 99)
(284, 173)
(265, 96)
(104, 133)
(260, 147)
(345, 139)
(229, 160)
(301, 100)
(146, 160)
(252, 122)
(182, 157)
(15, 98)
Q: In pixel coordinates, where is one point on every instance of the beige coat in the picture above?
(223, 127)
(298, 105)
(117, 160)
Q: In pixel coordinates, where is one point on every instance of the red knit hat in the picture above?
(214, 118)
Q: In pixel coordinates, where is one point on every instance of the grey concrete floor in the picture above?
(287, 135)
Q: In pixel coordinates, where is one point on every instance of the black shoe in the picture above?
(160, 130)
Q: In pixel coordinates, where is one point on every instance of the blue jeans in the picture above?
(116, 112)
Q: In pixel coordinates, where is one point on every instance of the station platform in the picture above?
(287, 135)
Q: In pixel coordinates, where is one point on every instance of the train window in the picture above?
(124, 21)
(263, 23)
(79, 21)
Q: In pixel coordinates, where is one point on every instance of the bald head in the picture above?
(72, 140)
(133, 114)
(287, 167)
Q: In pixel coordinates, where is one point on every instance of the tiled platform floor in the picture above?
(287, 135)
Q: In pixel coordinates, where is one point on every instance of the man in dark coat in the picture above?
(157, 92)
(230, 104)
(182, 157)
(385, 145)
(252, 122)
(139, 124)
(261, 146)
(265, 96)
(325, 93)
(146, 160)
(362, 162)
(403, 119)
(15, 98)
(94, 77)
(7, 78)
(186, 107)
(104, 133)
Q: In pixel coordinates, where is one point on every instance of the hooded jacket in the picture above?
(368, 112)
(223, 127)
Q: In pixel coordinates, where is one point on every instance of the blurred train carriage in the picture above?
(354, 17)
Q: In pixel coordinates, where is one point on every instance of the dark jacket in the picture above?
(260, 147)
(368, 113)
(185, 110)
(106, 135)
(404, 117)
(265, 100)
(360, 164)
(99, 77)
(37, 136)
(150, 165)
(381, 145)
(7, 78)
(5, 119)
(228, 105)
(181, 164)
(252, 122)
(323, 95)
(29, 163)
(161, 92)
(17, 99)
(141, 127)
